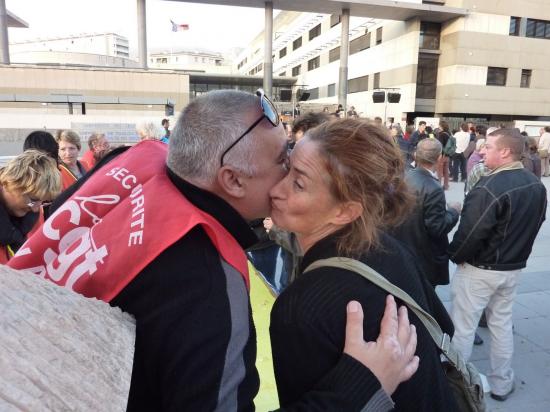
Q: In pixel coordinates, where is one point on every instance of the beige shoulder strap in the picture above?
(442, 340)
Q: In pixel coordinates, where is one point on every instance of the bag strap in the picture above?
(441, 339)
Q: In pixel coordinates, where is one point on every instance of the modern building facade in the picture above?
(203, 61)
(86, 99)
(101, 50)
(108, 44)
(491, 64)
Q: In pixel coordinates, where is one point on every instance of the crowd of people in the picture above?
(161, 230)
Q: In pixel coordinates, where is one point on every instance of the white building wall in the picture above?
(106, 43)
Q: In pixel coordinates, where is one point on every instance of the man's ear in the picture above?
(231, 181)
(347, 212)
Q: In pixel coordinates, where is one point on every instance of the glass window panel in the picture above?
(313, 63)
(334, 54)
(539, 29)
(496, 76)
(315, 32)
(530, 32)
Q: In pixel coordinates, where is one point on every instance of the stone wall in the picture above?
(60, 351)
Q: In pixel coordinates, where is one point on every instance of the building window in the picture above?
(313, 93)
(496, 76)
(379, 35)
(331, 90)
(282, 53)
(335, 19)
(313, 63)
(334, 54)
(359, 84)
(282, 74)
(360, 43)
(297, 70)
(426, 76)
(296, 44)
(514, 26)
(526, 78)
(539, 29)
(429, 35)
(376, 84)
(315, 32)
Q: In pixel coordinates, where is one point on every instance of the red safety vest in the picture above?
(121, 219)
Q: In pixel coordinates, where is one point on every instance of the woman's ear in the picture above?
(231, 182)
(347, 212)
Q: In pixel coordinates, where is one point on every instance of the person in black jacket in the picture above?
(195, 338)
(425, 230)
(344, 189)
(501, 217)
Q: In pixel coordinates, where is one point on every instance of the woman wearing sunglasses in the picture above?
(344, 187)
(27, 182)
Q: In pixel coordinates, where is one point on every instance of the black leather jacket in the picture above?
(501, 217)
(425, 231)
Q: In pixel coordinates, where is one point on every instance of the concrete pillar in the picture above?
(268, 49)
(344, 52)
(4, 43)
(142, 32)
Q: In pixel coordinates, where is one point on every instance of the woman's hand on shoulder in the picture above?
(391, 358)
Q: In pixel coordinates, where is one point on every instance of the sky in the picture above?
(216, 28)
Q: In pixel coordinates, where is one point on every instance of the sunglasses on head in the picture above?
(269, 112)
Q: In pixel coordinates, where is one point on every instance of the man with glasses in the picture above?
(183, 273)
(27, 183)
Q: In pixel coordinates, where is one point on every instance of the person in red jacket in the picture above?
(27, 182)
(98, 147)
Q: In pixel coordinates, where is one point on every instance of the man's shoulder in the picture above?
(504, 182)
(419, 177)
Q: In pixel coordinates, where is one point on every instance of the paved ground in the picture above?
(531, 326)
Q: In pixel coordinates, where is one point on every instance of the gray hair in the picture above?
(428, 151)
(481, 143)
(149, 130)
(207, 127)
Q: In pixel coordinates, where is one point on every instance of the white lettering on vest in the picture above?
(138, 211)
(137, 200)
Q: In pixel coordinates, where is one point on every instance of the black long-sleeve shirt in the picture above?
(308, 323)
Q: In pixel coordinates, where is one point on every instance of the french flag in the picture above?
(179, 27)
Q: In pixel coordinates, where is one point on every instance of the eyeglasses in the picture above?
(32, 203)
(269, 112)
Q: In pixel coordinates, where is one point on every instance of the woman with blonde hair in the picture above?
(69, 148)
(345, 187)
(27, 182)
